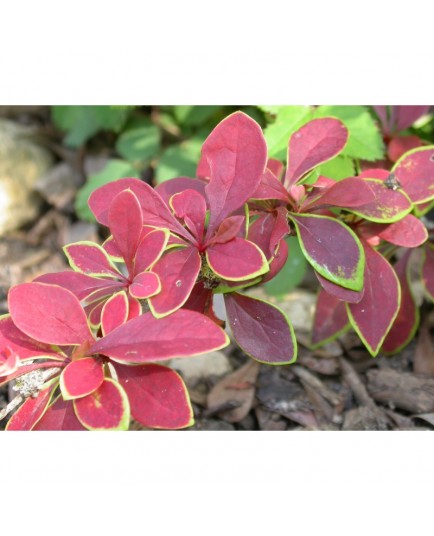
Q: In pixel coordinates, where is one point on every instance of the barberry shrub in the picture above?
(84, 345)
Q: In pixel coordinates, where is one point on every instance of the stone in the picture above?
(196, 368)
(22, 162)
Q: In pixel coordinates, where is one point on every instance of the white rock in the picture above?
(22, 162)
(193, 369)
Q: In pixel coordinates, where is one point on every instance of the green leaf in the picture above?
(340, 167)
(194, 116)
(82, 122)
(365, 141)
(272, 109)
(292, 273)
(115, 169)
(288, 120)
(179, 160)
(140, 142)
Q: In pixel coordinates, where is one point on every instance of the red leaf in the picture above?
(20, 343)
(234, 157)
(236, 260)
(107, 408)
(404, 116)
(81, 378)
(81, 285)
(341, 293)
(115, 312)
(407, 320)
(25, 418)
(125, 223)
(49, 314)
(58, 417)
(277, 261)
(402, 144)
(312, 144)
(157, 395)
(374, 315)
(145, 285)
(428, 270)
(190, 206)
(150, 250)
(173, 186)
(351, 192)
(409, 232)
(388, 205)
(177, 271)
(261, 330)
(229, 228)
(200, 298)
(155, 211)
(145, 338)
(268, 230)
(135, 309)
(415, 172)
(330, 320)
(9, 360)
(270, 187)
(276, 167)
(331, 248)
(91, 259)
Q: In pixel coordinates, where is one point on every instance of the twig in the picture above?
(29, 386)
(316, 384)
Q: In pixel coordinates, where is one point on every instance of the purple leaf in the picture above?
(330, 320)
(261, 330)
(331, 248)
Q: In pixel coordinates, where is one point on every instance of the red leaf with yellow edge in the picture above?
(150, 249)
(276, 167)
(20, 343)
(331, 248)
(351, 192)
(49, 314)
(409, 232)
(313, 144)
(406, 323)
(374, 315)
(177, 271)
(29, 413)
(428, 270)
(190, 206)
(388, 206)
(115, 312)
(277, 262)
(81, 285)
(91, 259)
(60, 416)
(268, 230)
(146, 338)
(154, 209)
(234, 157)
(415, 173)
(236, 260)
(261, 329)
(171, 187)
(125, 223)
(145, 285)
(81, 377)
(229, 228)
(158, 396)
(330, 319)
(270, 187)
(107, 408)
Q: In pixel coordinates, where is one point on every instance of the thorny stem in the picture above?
(15, 402)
